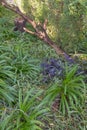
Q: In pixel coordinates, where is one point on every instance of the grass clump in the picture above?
(27, 114)
(69, 91)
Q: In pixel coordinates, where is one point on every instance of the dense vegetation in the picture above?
(40, 90)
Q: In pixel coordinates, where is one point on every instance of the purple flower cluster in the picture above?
(56, 68)
(51, 68)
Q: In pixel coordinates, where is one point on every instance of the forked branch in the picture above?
(39, 28)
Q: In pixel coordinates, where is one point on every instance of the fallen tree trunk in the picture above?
(39, 29)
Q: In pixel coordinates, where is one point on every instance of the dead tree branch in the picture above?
(39, 29)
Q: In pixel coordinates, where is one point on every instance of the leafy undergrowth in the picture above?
(38, 89)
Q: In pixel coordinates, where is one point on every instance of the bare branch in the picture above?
(45, 24)
(17, 10)
(28, 31)
(40, 29)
